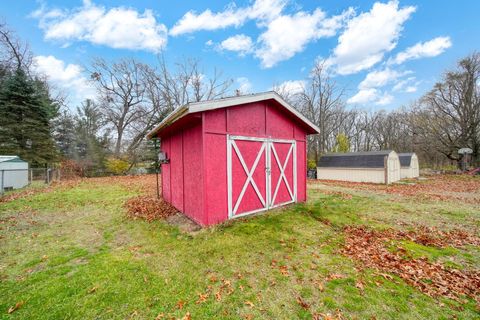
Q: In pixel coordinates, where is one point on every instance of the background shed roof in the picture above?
(370, 159)
(10, 159)
(405, 159)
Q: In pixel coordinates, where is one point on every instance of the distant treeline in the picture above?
(107, 134)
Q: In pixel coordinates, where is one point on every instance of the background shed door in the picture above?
(261, 174)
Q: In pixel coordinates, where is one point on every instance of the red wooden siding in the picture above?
(182, 178)
(193, 177)
(195, 180)
(260, 119)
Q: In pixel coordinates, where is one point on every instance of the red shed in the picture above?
(235, 156)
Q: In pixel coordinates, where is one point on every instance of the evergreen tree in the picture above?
(90, 148)
(25, 114)
(65, 135)
(342, 143)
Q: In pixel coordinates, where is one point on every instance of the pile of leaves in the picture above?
(429, 236)
(372, 249)
(149, 208)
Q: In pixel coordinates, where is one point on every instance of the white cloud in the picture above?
(119, 27)
(368, 89)
(263, 10)
(426, 49)
(290, 87)
(364, 96)
(371, 95)
(68, 77)
(376, 79)
(287, 35)
(239, 43)
(368, 36)
(244, 85)
(384, 99)
(411, 89)
(406, 85)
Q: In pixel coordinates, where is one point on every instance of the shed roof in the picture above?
(10, 159)
(370, 159)
(201, 106)
(405, 159)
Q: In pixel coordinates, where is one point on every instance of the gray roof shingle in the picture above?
(370, 159)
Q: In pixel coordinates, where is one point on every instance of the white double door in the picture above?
(261, 174)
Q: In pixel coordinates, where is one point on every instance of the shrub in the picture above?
(117, 166)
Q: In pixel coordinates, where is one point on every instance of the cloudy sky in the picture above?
(386, 53)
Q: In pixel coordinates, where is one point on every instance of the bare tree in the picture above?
(322, 102)
(121, 90)
(14, 53)
(452, 110)
(134, 96)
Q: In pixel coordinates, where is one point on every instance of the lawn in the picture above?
(69, 251)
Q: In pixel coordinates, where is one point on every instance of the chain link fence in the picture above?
(12, 179)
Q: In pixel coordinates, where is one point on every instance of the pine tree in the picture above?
(25, 114)
(342, 143)
(64, 134)
(90, 148)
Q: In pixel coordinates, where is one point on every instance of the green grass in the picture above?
(71, 253)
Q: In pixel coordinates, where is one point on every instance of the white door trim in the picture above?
(282, 175)
(267, 148)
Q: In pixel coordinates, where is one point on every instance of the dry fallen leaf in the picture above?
(187, 316)
(202, 298)
(180, 304)
(360, 286)
(17, 306)
(93, 289)
(303, 303)
(249, 303)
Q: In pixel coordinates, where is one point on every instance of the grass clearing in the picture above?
(72, 253)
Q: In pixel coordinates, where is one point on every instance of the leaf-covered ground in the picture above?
(71, 251)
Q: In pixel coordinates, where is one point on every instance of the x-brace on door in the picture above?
(261, 174)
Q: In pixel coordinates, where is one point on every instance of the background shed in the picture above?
(409, 167)
(13, 173)
(234, 156)
(372, 166)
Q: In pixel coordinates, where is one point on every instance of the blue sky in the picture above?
(385, 53)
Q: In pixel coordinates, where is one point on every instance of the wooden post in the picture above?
(157, 165)
(1, 182)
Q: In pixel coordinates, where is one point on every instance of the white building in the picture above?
(13, 173)
(409, 165)
(372, 166)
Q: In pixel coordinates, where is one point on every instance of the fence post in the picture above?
(31, 175)
(1, 182)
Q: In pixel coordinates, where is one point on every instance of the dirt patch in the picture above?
(371, 248)
(183, 223)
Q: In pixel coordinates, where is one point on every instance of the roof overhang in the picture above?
(196, 107)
